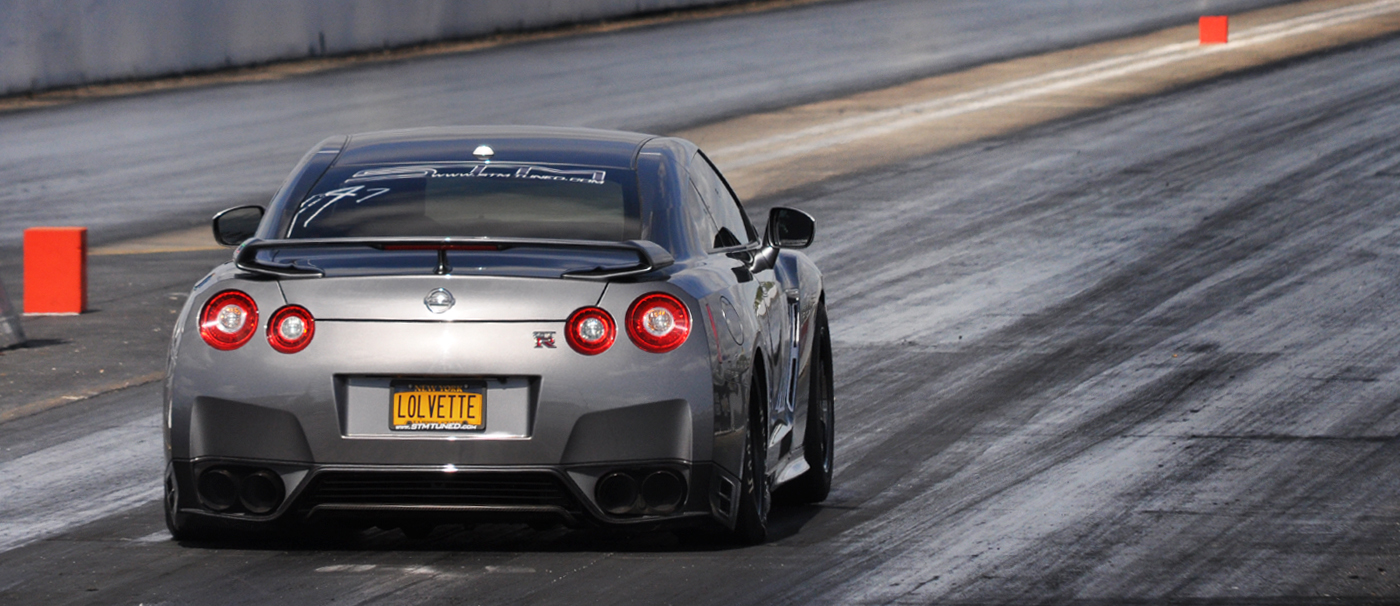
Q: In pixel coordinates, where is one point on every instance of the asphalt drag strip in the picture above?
(130, 166)
(121, 342)
(59, 471)
(1144, 355)
(766, 153)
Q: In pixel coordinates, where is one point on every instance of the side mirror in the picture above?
(790, 228)
(235, 225)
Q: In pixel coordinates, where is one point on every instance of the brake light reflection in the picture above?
(658, 322)
(290, 329)
(590, 331)
(228, 320)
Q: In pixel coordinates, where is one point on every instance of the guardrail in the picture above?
(58, 43)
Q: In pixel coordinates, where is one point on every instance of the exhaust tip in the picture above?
(663, 491)
(217, 489)
(617, 493)
(262, 492)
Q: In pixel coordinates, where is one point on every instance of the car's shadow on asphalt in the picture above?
(785, 522)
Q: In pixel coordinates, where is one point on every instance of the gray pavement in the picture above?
(124, 167)
(122, 340)
(1143, 356)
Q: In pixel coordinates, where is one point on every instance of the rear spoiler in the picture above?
(650, 255)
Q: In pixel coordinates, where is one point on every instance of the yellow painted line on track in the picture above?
(185, 240)
(884, 122)
(770, 152)
(34, 408)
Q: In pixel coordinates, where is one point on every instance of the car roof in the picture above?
(532, 144)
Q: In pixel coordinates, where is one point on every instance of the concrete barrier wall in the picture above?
(52, 43)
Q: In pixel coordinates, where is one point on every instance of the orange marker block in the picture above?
(1215, 30)
(55, 270)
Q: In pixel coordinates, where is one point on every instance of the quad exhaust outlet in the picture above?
(234, 490)
(631, 492)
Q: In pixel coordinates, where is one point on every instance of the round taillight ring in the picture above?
(290, 329)
(590, 331)
(228, 320)
(658, 322)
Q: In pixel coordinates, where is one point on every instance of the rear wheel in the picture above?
(756, 498)
(819, 444)
(183, 527)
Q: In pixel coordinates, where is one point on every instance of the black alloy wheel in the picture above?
(819, 443)
(181, 526)
(751, 527)
(172, 503)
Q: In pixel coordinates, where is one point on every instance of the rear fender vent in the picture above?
(725, 496)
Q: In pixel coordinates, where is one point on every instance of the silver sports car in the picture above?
(460, 325)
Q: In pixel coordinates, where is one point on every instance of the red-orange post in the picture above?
(1215, 30)
(55, 270)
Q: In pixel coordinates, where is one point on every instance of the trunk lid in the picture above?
(485, 280)
(474, 298)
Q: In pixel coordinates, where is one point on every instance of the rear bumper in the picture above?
(400, 494)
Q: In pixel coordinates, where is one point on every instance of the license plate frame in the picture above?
(437, 406)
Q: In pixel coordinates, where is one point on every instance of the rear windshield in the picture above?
(470, 199)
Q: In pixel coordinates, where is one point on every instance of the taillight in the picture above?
(658, 322)
(228, 320)
(590, 331)
(290, 329)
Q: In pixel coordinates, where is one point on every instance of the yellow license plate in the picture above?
(430, 407)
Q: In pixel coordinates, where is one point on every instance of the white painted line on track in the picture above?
(70, 484)
(888, 121)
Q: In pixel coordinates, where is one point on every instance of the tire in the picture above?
(819, 443)
(183, 527)
(756, 498)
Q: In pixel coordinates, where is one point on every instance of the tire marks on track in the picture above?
(1267, 245)
(84, 479)
(1177, 376)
